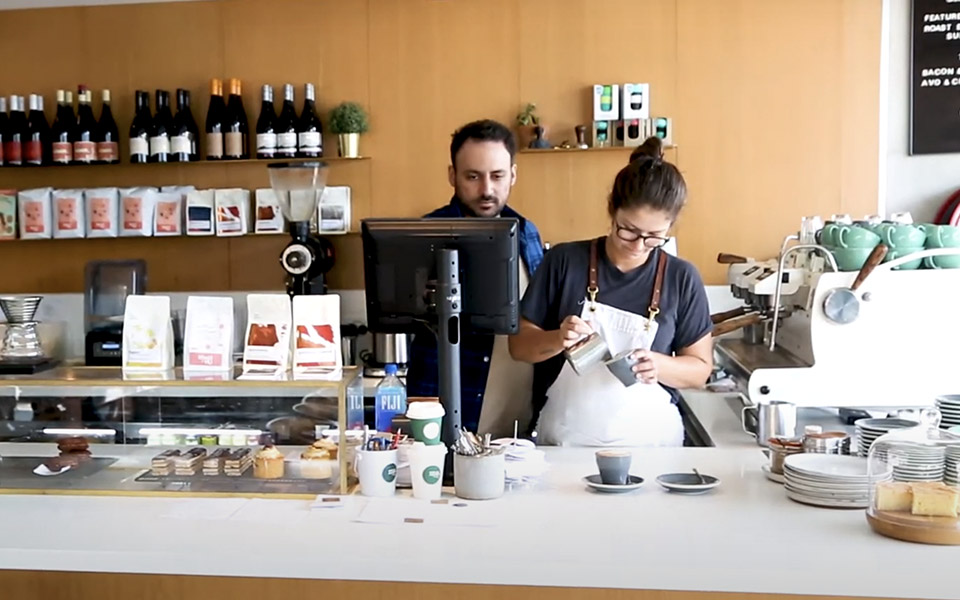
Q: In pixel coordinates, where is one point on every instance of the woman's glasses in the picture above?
(629, 234)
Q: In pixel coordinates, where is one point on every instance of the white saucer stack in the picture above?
(868, 430)
(915, 462)
(829, 480)
(949, 407)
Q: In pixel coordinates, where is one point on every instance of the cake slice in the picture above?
(894, 496)
(935, 500)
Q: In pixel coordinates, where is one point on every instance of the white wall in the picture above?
(919, 184)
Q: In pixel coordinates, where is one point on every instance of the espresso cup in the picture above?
(856, 237)
(902, 236)
(621, 366)
(828, 235)
(941, 236)
(614, 466)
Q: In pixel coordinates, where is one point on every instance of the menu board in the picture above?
(935, 77)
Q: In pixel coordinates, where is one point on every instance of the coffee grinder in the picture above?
(21, 353)
(108, 283)
(308, 257)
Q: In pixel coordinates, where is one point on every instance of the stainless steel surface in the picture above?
(21, 340)
(829, 442)
(740, 359)
(780, 265)
(774, 419)
(19, 309)
(390, 348)
(755, 334)
(588, 352)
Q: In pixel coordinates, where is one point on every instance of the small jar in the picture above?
(828, 442)
(780, 449)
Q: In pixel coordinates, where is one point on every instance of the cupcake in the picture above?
(315, 462)
(268, 463)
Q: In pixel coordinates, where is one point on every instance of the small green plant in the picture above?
(528, 116)
(348, 117)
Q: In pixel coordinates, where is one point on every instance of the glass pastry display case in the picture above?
(915, 483)
(98, 430)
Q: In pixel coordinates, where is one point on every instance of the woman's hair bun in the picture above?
(652, 147)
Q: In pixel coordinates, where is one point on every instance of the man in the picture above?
(482, 171)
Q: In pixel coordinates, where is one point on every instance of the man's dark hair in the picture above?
(485, 130)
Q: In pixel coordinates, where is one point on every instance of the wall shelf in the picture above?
(577, 150)
(331, 159)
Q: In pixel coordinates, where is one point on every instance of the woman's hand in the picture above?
(572, 330)
(647, 367)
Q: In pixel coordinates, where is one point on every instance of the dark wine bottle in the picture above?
(309, 129)
(108, 137)
(61, 147)
(287, 126)
(35, 147)
(17, 133)
(85, 131)
(140, 129)
(266, 126)
(3, 127)
(213, 127)
(236, 127)
(162, 126)
(183, 138)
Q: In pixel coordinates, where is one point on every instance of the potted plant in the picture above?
(527, 121)
(348, 120)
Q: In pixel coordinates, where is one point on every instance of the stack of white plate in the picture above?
(829, 480)
(949, 407)
(868, 430)
(951, 472)
(914, 462)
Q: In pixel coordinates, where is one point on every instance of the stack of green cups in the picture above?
(426, 421)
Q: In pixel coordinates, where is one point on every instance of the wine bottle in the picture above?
(3, 127)
(162, 126)
(17, 130)
(47, 149)
(266, 126)
(140, 129)
(84, 133)
(183, 140)
(236, 127)
(37, 139)
(309, 129)
(216, 114)
(287, 126)
(62, 148)
(108, 150)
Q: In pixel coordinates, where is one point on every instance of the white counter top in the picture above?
(744, 537)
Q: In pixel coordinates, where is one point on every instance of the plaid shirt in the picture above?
(475, 349)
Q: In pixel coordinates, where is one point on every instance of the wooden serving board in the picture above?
(915, 528)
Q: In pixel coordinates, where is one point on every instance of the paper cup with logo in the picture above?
(426, 469)
(426, 421)
(377, 470)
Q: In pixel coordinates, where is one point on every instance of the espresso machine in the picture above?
(21, 353)
(308, 257)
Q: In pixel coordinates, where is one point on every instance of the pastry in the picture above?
(329, 445)
(268, 463)
(936, 500)
(162, 464)
(189, 463)
(316, 463)
(894, 496)
(213, 464)
(55, 464)
(72, 444)
(237, 463)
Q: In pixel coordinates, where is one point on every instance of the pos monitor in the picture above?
(450, 275)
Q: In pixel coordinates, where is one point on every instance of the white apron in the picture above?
(596, 409)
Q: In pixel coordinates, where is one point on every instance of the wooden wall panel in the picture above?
(774, 105)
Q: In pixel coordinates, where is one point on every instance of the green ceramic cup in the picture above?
(853, 236)
(942, 262)
(828, 235)
(941, 236)
(901, 252)
(902, 237)
(851, 259)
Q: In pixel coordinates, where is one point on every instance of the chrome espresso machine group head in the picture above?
(308, 257)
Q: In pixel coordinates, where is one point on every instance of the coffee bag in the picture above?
(147, 334)
(103, 212)
(208, 336)
(316, 348)
(34, 210)
(68, 215)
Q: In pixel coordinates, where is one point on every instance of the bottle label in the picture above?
(13, 152)
(107, 151)
(159, 144)
(84, 151)
(287, 142)
(309, 141)
(233, 144)
(180, 144)
(62, 152)
(138, 147)
(33, 152)
(266, 143)
(214, 145)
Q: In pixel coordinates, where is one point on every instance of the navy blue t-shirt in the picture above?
(559, 287)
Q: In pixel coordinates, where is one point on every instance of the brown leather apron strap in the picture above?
(658, 285)
(592, 288)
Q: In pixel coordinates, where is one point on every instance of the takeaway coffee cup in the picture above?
(426, 419)
(377, 471)
(426, 469)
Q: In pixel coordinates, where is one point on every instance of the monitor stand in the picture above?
(448, 351)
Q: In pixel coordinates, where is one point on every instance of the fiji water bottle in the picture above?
(391, 399)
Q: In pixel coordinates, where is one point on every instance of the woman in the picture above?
(669, 332)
